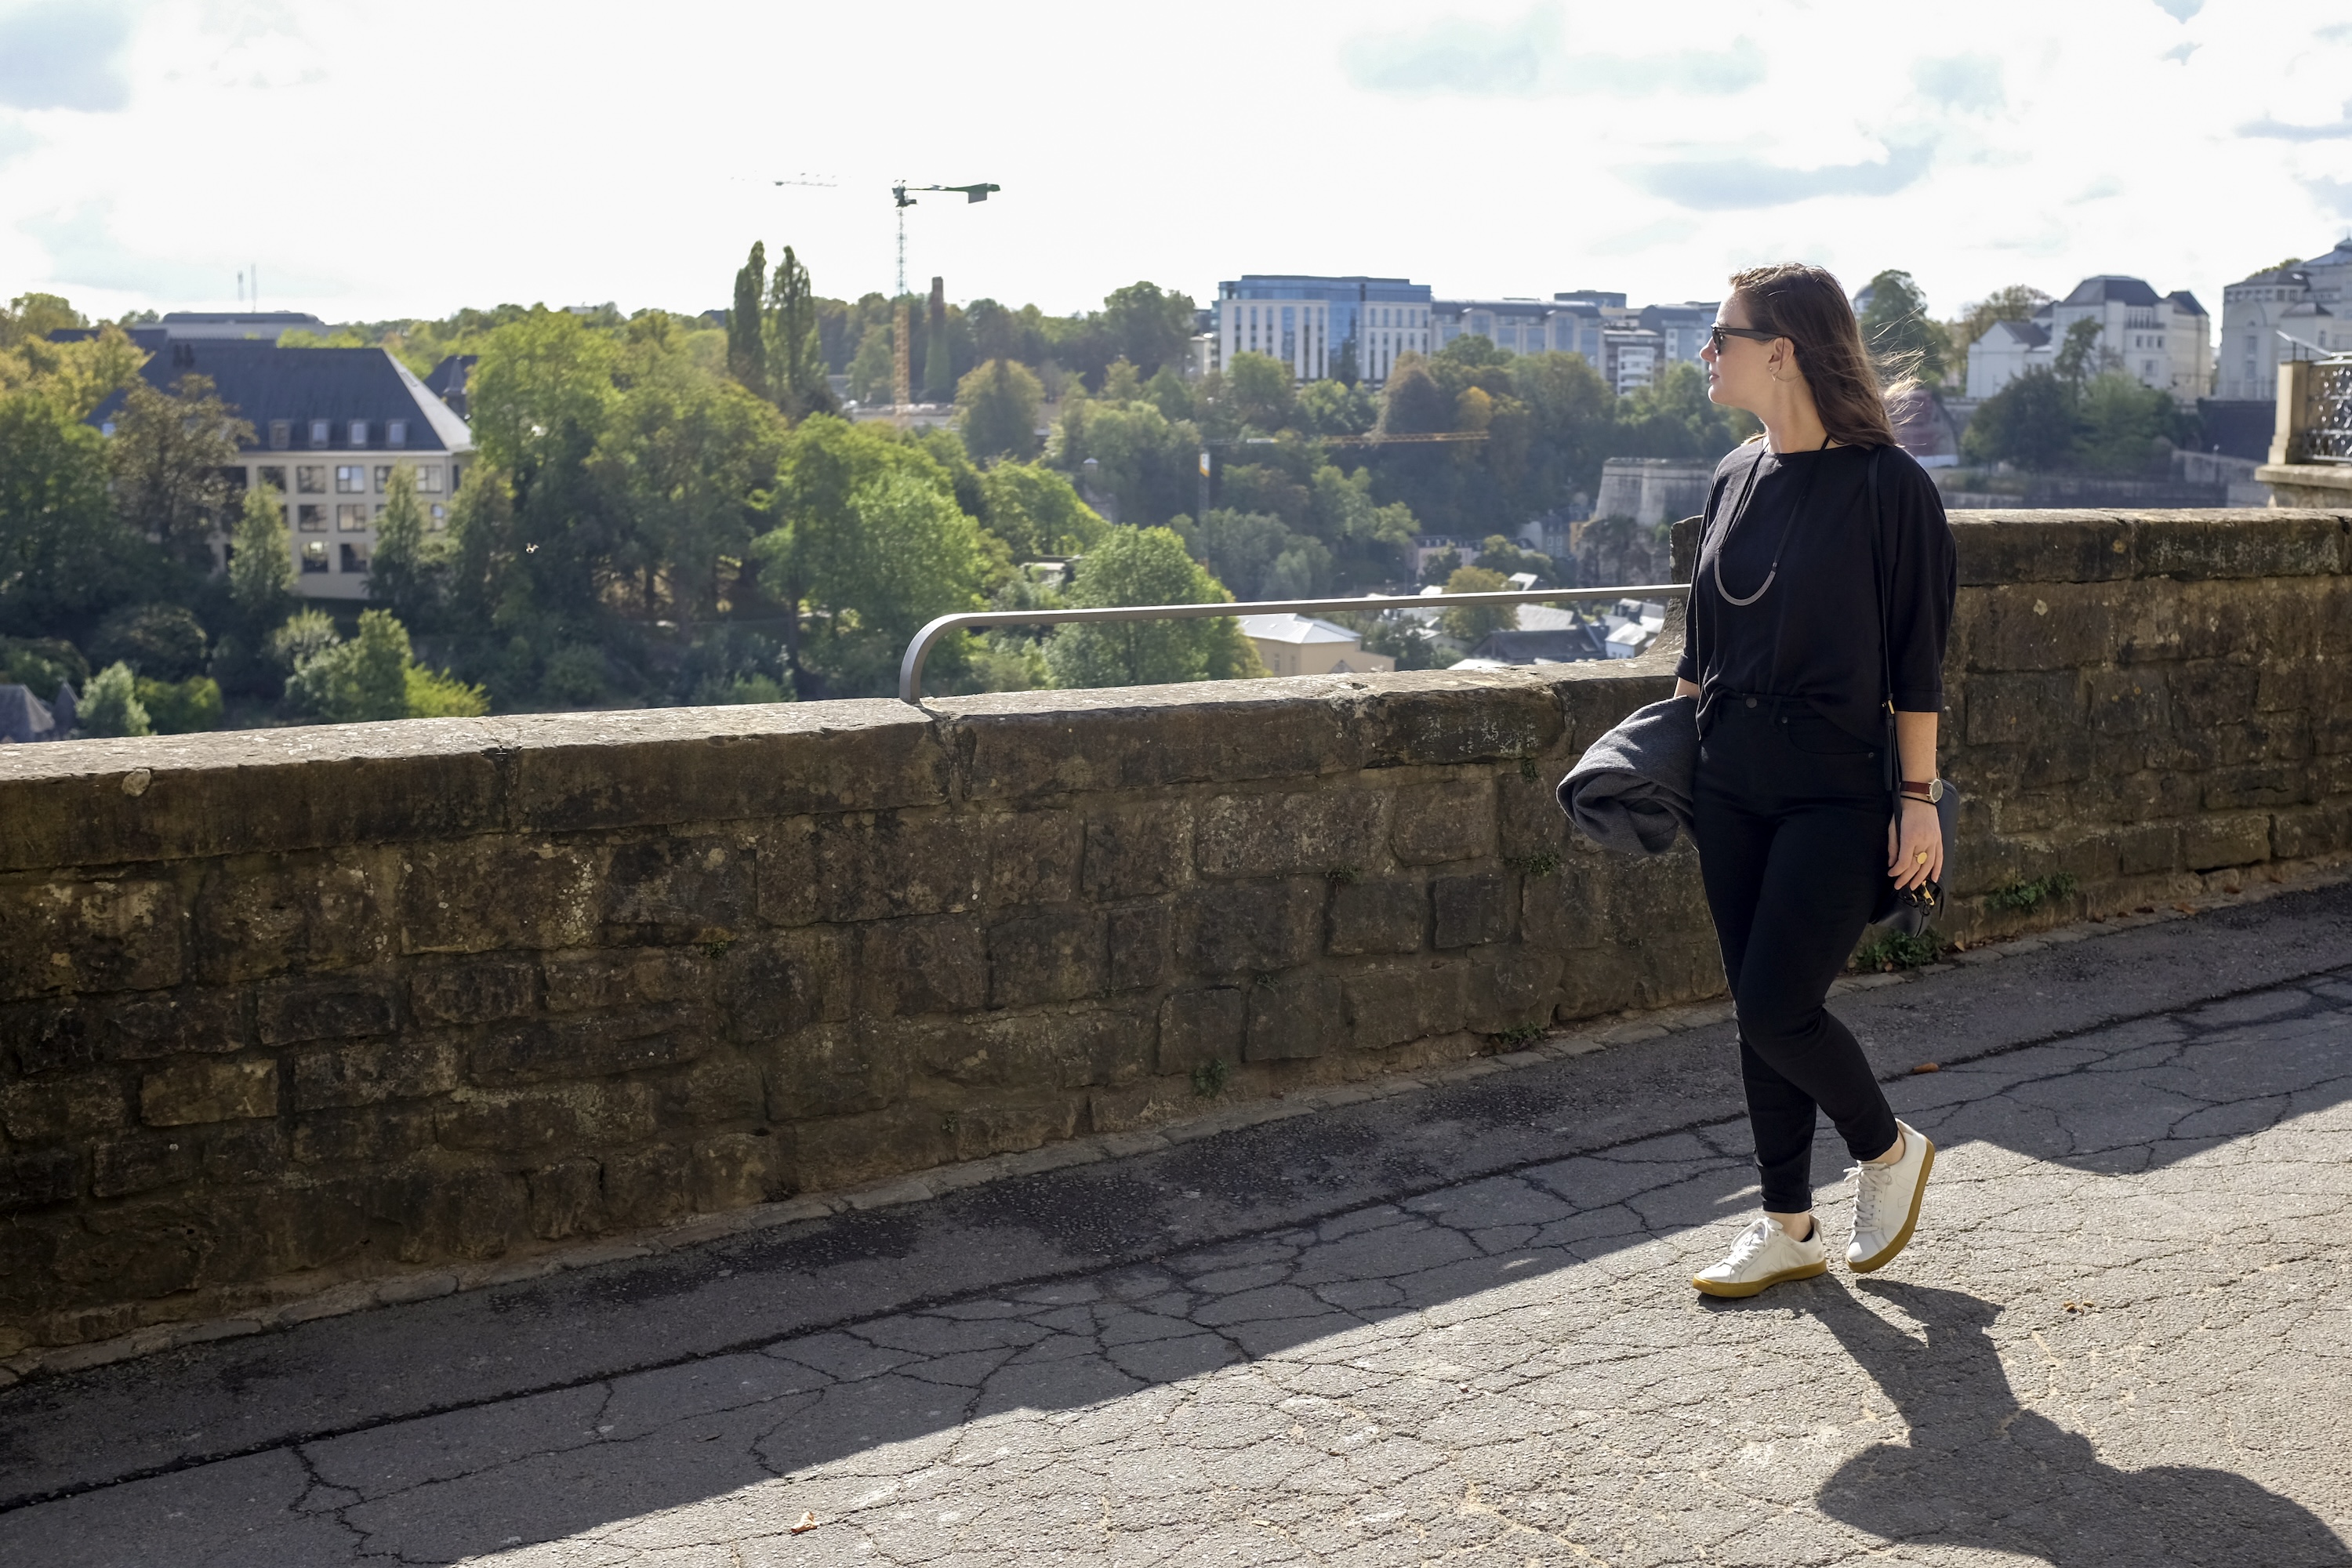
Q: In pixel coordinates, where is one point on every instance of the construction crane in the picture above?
(901, 377)
(899, 193)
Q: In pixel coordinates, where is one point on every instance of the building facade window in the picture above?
(429, 478)
(436, 517)
(396, 433)
(281, 435)
(355, 558)
(314, 555)
(319, 428)
(351, 518)
(311, 517)
(311, 479)
(382, 477)
(273, 477)
(350, 478)
(358, 432)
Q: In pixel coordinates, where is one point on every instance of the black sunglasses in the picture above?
(1716, 333)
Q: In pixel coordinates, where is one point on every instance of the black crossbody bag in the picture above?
(1907, 910)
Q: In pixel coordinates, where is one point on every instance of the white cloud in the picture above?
(390, 161)
(65, 54)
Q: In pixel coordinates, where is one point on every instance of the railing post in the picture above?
(2293, 410)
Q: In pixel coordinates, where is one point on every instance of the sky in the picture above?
(376, 161)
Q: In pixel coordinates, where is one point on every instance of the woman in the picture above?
(1805, 526)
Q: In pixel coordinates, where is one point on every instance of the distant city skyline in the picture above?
(384, 164)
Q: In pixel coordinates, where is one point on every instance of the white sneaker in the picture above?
(1887, 1203)
(1762, 1256)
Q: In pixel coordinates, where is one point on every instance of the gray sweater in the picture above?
(1632, 789)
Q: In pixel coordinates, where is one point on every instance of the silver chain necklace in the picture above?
(1747, 490)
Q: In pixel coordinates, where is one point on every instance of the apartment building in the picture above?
(2303, 309)
(2162, 341)
(1307, 321)
(329, 428)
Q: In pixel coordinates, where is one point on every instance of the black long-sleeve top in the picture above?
(1815, 634)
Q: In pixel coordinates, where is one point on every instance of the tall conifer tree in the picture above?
(795, 351)
(939, 372)
(747, 350)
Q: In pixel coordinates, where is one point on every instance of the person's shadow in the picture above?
(1982, 1470)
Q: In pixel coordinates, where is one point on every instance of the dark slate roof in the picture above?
(446, 381)
(1562, 643)
(268, 383)
(23, 716)
(2032, 334)
(2107, 289)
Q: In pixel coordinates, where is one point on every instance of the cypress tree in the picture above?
(939, 375)
(746, 356)
(795, 351)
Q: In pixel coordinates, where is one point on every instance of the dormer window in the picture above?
(358, 432)
(395, 434)
(319, 428)
(281, 435)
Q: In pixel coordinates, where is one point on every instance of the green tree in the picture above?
(996, 410)
(1146, 325)
(356, 681)
(747, 347)
(111, 705)
(1900, 335)
(163, 642)
(937, 367)
(1147, 463)
(2033, 423)
(795, 352)
(37, 316)
(1036, 511)
(260, 559)
(64, 553)
(180, 707)
(168, 452)
(1469, 624)
(1147, 566)
(2081, 355)
(405, 574)
(1260, 388)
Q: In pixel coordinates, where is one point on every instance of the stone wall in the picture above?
(281, 1008)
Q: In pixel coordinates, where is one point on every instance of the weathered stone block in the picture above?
(592, 1045)
(376, 1136)
(1033, 857)
(1197, 1027)
(2031, 710)
(1045, 958)
(372, 1074)
(777, 985)
(1448, 718)
(1294, 1017)
(2209, 843)
(54, 1111)
(2057, 547)
(192, 1092)
(835, 1070)
(1511, 987)
(877, 866)
(261, 915)
(669, 890)
(847, 1150)
(1244, 929)
(474, 991)
(722, 1089)
(2209, 693)
(1389, 1007)
(1471, 909)
(565, 1199)
(736, 1170)
(174, 1023)
(1452, 821)
(39, 1039)
(629, 978)
(1378, 917)
(1287, 835)
(1136, 854)
(287, 1012)
(43, 1176)
(2313, 830)
(993, 1126)
(649, 1186)
(2036, 626)
(2127, 700)
(86, 937)
(566, 1116)
(481, 894)
(933, 965)
(1140, 939)
(2266, 784)
(786, 873)
(140, 1162)
(1017, 745)
(445, 1209)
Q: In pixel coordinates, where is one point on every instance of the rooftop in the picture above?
(269, 383)
(1294, 628)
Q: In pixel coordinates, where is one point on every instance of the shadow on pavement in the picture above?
(1983, 1470)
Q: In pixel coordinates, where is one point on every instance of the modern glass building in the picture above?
(1307, 322)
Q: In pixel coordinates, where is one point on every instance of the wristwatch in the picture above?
(1931, 792)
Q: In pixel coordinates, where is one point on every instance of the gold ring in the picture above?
(1921, 857)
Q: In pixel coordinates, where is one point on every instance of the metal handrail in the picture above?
(910, 668)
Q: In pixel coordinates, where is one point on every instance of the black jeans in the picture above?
(1791, 829)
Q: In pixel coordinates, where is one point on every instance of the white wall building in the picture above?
(2163, 341)
(1302, 645)
(1296, 331)
(2305, 308)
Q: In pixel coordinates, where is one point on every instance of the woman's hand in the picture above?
(1915, 844)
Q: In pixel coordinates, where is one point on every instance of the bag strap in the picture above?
(1893, 765)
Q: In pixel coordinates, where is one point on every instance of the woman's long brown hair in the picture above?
(1808, 306)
